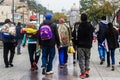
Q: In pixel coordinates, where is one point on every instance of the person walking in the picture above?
(75, 55)
(101, 38)
(64, 35)
(9, 42)
(112, 41)
(48, 37)
(32, 45)
(84, 44)
(19, 37)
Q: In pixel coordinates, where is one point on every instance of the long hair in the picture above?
(110, 29)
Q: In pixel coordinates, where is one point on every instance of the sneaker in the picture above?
(102, 61)
(32, 69)
(18, 53)
(61, 67)
(43, 71)
(50, 72)
(108, 65)
(6, 66)
(87, 73)
(11, 65)
(65, 64)
(35, 65)
(82, 76)
(74, 62)
(113, 68)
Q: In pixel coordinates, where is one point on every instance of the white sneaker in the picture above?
(50, 72)
(65, 64)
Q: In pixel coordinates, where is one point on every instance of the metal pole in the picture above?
(13, 10)
(23, 15)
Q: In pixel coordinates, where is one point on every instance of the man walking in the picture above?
(48, 37)
(84, 44)
(101, 38)
(19, 37)
(9, 42)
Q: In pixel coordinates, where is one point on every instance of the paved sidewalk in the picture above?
(20, 71)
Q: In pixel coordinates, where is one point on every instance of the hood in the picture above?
(104, 21)
(47, 22)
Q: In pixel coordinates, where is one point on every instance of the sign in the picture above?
(17, 16)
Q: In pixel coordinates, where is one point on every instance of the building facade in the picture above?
(20, 11)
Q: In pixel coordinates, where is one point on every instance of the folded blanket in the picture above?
(29, 30)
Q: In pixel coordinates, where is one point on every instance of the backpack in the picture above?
(46, 32)
(64, 35)
(102, 31)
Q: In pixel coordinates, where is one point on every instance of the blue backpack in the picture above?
(7, 36)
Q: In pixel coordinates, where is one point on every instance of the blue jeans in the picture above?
(63, 56)
(48, 54)
(19, 46)
(102, 51)
(112, 54)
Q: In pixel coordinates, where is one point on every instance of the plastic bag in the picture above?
(38, 50)
(71, 49)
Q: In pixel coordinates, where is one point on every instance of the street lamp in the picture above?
(13, 10)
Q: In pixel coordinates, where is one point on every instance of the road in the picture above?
(20, 71)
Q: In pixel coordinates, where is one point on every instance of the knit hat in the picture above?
(61, 20)
(48, 16)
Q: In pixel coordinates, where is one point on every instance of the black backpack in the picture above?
(102, 32)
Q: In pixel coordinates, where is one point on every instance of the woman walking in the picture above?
(32, 43)
(112, 40)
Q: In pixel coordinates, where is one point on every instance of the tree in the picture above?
(86, 4)
(57, 16)
(97, 8)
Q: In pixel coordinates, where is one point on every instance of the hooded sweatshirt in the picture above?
(102, 30)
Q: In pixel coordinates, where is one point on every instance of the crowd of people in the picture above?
(50, 34)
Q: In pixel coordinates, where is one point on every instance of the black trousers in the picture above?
(32, 55)
(75, 55)
(9, 46)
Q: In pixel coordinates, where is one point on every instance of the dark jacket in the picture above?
(85, 35)
(18, 34)
(112, 39)
(54, 40)
(102, 31)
